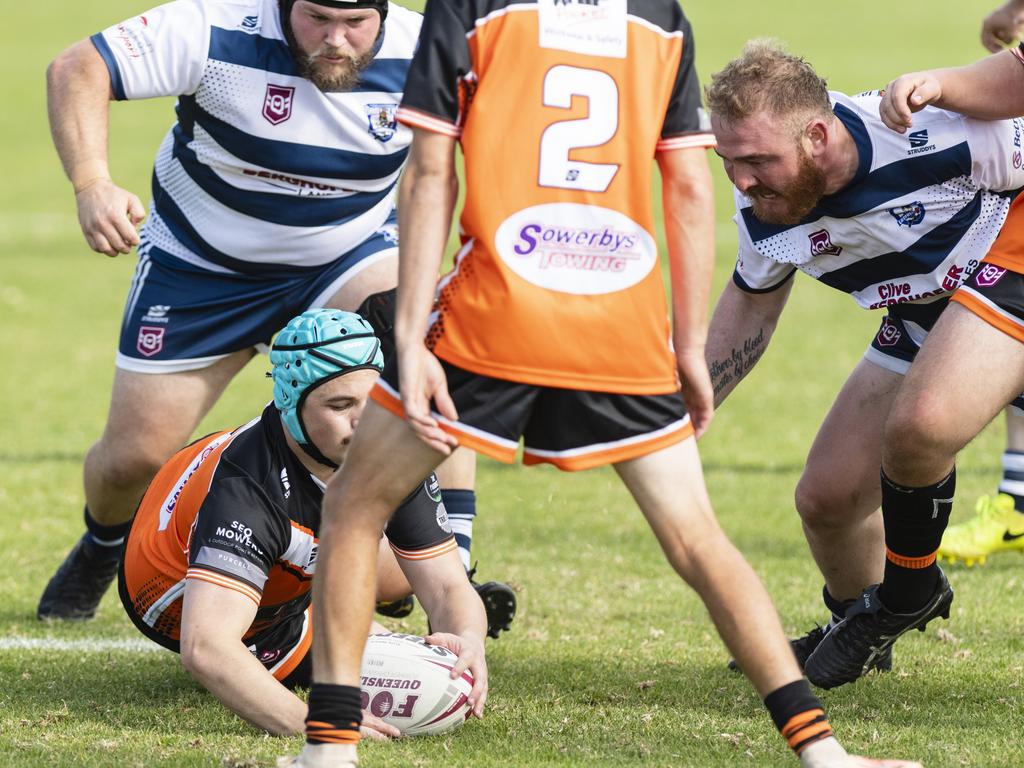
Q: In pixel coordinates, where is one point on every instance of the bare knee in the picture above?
(125, 465)
(918, 443)
(822, 507)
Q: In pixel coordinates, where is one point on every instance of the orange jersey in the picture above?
(239, 510)
(1008, 249)
(560, 107)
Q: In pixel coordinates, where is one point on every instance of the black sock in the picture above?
(914, 521)
(111, 536)
(835, 606)
(335, 713)
(798, 714)
(1012, 483)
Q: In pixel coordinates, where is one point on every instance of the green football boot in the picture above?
(995, 527)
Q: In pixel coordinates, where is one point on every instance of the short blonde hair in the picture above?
(765, 78)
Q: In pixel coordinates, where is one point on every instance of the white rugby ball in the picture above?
(407, 682)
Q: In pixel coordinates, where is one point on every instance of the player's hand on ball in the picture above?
(470, 651)
(695, 382)
(108, 216)
(422, 379)
(1001, 27)
(906, 95)
(375, 728)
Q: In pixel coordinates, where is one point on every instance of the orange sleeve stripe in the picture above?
(915, 563)
(426, 554)
(417, 119)
(699, 140)
(798, 721)
(224, 581)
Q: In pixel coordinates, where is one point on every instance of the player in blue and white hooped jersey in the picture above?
(272, 193)
(896, 221)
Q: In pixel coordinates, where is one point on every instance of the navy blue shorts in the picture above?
(181, 317)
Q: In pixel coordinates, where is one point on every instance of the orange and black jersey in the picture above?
(239, 510)
(560, 107)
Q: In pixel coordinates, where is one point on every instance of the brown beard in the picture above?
(327, 77)
(800, 197)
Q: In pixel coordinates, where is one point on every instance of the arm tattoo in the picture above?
(739, 362)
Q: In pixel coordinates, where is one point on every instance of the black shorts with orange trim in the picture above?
(572, 429)
(996, 295)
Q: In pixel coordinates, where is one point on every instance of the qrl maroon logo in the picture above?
(889, 334)
(821, 244)
(989, 275)
(277, 106)
(151, 340)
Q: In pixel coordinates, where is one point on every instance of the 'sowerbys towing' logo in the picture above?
(580, 249)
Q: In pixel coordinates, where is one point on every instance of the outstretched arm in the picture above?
(741, 328)
(456, 616)
(213, 622)
(688, 200)
(78, 90)
(425, 204)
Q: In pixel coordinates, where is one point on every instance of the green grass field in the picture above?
(611, 661)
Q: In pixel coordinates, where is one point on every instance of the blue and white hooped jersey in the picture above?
(918, 216)
(262, 171)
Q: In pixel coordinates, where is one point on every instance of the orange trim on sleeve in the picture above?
(998, 320)
(915, 563)
(224, 581)
(448, 545)
(416, 119)
(686, 141)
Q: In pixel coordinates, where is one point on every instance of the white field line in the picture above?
(83, 645)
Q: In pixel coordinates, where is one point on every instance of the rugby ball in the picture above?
(407, 683)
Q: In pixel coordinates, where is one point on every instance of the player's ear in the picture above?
(817, 134)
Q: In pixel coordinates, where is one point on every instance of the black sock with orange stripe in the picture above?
(915, 519)
(798, 714)
(335, 714)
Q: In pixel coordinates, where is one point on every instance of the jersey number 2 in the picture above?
(559, 139)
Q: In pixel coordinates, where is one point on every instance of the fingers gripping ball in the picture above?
(407, 683)
(315, 347)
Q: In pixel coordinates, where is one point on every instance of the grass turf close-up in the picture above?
(612, 660)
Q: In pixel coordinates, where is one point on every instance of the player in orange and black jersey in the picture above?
(221, 555)
(553, 327)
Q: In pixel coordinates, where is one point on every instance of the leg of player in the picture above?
(384, 461)
(669, 488)
(964, 374)
(391, 582)
(668, 485)
(151, 417)
(998, 521)
(839, 494)
(457, 476)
